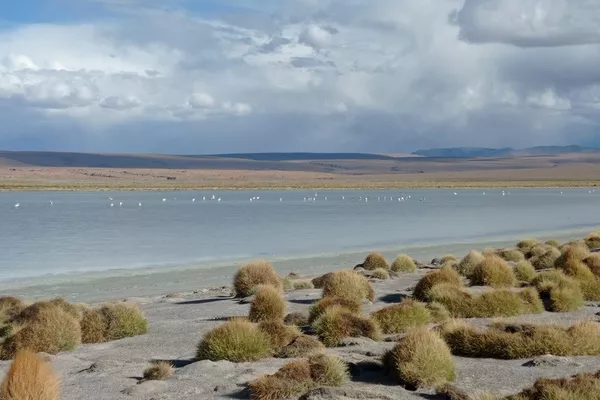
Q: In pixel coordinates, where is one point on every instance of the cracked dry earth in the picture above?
(177, 323)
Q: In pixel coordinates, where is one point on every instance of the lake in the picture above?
(165, 240)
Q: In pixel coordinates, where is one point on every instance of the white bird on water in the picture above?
(203, 198)
(219, 199)
(120, 204)
(17, 205)
(112, 205)
(139, 204)
(193, 200)
(51, 203)
(281, 199)
(110, 198)
(164, 199)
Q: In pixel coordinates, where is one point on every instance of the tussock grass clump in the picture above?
(448, 258)
(493, 271)
(337, 323)
(380, 273)
(537, 250)
(514, 341)
(328, 370)
(404, 263)
(439, 312)
(593, 263)
(402, 317)
(589, 283)
(546, 260)
(279, 334)
(375, 261)
(302, 284)
(466, 266)
(496, 303)
(286, 283)
(558, 292)
(296, 318)
(552, 243)
(422, 359)
(30, 378)
(444, 275)
(123, 320)
(9, 307)
(159, 371)
(301, 346)
(319, 281)
(572, 252)
(526, 244)
(320, 306)
(93, 326)
(268, 304)
(592, 240)
(348, 285)
(51, 330)
(583, 386)
(524, 271)
(236, 340)
(248, 277)
(514, 255)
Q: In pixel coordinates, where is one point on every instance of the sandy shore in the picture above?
(177, 322)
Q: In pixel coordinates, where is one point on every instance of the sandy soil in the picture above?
(178, 321)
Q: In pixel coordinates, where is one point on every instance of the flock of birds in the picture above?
(401, 198)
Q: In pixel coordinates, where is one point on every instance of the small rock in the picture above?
(173, 295)
(551, 361)
(145, 388)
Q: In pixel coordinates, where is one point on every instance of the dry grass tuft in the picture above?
(30, 378)
(422, 359)
(552, 243)
(328, 370)
(526, 244)
(296, 318)
(588, 281)
(236, 340)
(93, 327)
(320, 306)
(524, 271)
(51, 330)
(9, 307)
(514, 255)
(292, 380)
(301, 346)
(159, 371)
(493, 271)
(404, 263)
(558, 292)
(348, 285)
(583, 386)
(546, 260)
(319, 282)
(448, 258)
(337, 323)
(279, 334)
(444, 275)
(268, 304)
(592, 240)
(593, 263)
(466, 266)
(380, 273)
(439, 312)
(123, 320)
(402, 317)
(514, 341)
(302, 284)
(572, 252)
(375, 261)
(496, 303)
(248, 277)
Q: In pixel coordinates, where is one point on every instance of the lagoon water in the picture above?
(75, 244)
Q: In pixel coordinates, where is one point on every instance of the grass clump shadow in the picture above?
(421, 359)
(401, 317)
(268, 304)
(348, 285)
(30, 378)
(252, 275)
(337, 323)
(493, 271)
(236, 340)
(404, 263)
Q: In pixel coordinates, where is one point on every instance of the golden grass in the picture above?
(592, 240)
(296, 318)
(123, 320)
(320, 306)
(439, 312)
(319, 281)
(558, 292)
(51, 330)
(291, 381)
(524, 271)
(268, 304)
(444, 275)
(381, 274)
(552, 243)
(279, 334)
(257, 273)
(593, 263)
(328, 370)
(448, 258)
(302, 284)
(236, 340)
(93, 327)
(422, 359)
(495, 303)
(468, 263)
(584, 386)
(159, 371)
(30, 378)
(514, 341)
(514, 255)
(301, 346)
(374, 261)
(9, 307)
(402, 317)
(526, 244)
(404, 263)
(493, 271)
(546, 260)
(348, 285)
(572, 252)
(537, 250)
(337, 323)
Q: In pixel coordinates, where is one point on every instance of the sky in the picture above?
(222, 76)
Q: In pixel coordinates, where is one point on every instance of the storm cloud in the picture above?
(304, 75)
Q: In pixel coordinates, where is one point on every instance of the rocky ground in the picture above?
(178, 321)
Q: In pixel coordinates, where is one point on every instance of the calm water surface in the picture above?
(81, 233)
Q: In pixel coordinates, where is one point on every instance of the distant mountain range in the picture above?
(478, 152)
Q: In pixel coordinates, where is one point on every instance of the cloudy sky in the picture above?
(213, 76)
